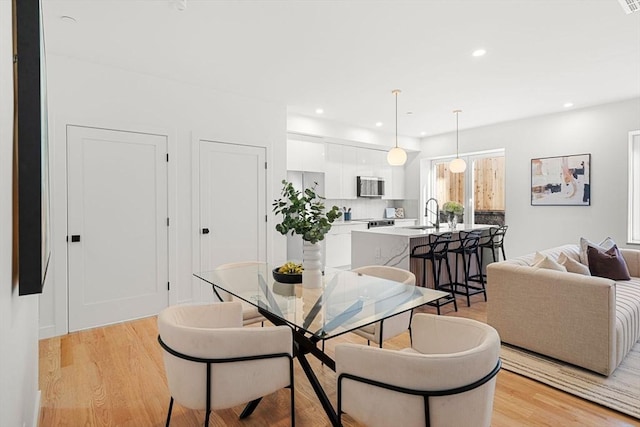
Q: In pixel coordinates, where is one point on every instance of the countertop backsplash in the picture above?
(367, 208)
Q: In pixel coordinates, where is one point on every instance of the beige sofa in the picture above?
(588, 321)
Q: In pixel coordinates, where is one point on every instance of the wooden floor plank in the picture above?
(114, 376)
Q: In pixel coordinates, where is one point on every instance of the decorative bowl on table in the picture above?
(291, 272)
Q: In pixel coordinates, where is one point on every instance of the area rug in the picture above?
(619, 391)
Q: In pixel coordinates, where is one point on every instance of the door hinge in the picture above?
(265, 165)
(168, 286)
(266, 218)
(15, 58)
(167, 222)
(167, 157)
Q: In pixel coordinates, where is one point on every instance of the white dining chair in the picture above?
(250, 314)
(446, 379)
(388, 328)
(212, 362)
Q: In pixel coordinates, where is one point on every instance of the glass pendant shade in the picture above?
(396, 156)
(457, 166)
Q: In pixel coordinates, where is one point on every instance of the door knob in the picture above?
(205, 231)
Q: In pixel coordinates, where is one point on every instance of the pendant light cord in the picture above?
(457, 130)
(396, 93)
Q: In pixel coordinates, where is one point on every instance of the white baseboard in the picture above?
(47, 332)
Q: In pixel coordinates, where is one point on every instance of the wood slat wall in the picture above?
(489, 184)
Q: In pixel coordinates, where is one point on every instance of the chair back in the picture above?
(470, 240)
(497, 236)
(451, 368)
(387, 272)
(439, 244)
(201, 338)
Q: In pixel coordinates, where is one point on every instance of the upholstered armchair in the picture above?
(392, 326)
(212, 362)
(250, 314)
(447, 377)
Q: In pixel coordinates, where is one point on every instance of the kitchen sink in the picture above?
(421, 227)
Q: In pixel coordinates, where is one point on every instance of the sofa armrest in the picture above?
(632, 258)
(566, 316)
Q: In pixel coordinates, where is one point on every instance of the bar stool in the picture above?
(438, 245)
(468, 249)
(495, 242)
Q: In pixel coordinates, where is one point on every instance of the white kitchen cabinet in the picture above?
(305, 156)
(340, 172)
(366, 159)
(396, 184)
(338, 243)
(349, 172)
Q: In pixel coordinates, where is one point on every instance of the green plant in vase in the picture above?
(453, 211)
(303, 213)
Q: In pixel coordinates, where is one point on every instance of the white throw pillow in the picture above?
(603, 246)
(572, 265)
(543, 261)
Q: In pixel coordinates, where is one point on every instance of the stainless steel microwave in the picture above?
(370, 186)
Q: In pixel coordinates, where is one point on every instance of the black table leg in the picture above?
(251, 406)
(322, 396)
(305, 346)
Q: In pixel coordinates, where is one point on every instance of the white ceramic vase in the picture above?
(312, 264)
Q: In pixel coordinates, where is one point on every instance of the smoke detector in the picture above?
(630, 6)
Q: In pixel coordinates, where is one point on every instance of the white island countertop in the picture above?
(416, 231)
(393, 245)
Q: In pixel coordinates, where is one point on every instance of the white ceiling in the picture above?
(347, 56)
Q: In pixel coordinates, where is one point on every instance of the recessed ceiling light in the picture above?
(319, 111)
(378, 124)
(409, 113)
(479, 52)
(67, 18)
(423, 133)
(568, 104)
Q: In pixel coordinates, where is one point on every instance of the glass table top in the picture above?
(346, 300)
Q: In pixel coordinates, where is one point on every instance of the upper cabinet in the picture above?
(305, 156)
(341, 165)
(340, 172)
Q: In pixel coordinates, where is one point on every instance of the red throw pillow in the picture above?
(609, 263)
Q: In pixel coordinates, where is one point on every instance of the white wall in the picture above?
(337, 132)
(18, 315)
(84, 93)
(601, 130)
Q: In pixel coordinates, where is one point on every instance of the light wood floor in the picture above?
(114, 376)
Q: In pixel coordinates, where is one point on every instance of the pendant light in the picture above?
(457, 165)
(396, 156)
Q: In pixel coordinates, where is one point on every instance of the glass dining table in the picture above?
(346, 301)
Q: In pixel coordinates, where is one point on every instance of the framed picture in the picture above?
(563, 180)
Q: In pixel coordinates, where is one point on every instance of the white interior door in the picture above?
(117, 225)
(232, 224)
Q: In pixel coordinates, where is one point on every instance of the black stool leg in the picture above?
(453, 294)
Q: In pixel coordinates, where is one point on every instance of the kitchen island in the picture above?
(392, 246)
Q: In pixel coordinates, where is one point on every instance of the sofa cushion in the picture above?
(572, 265)
(606, 244)
(544, 261)
(609, 263)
